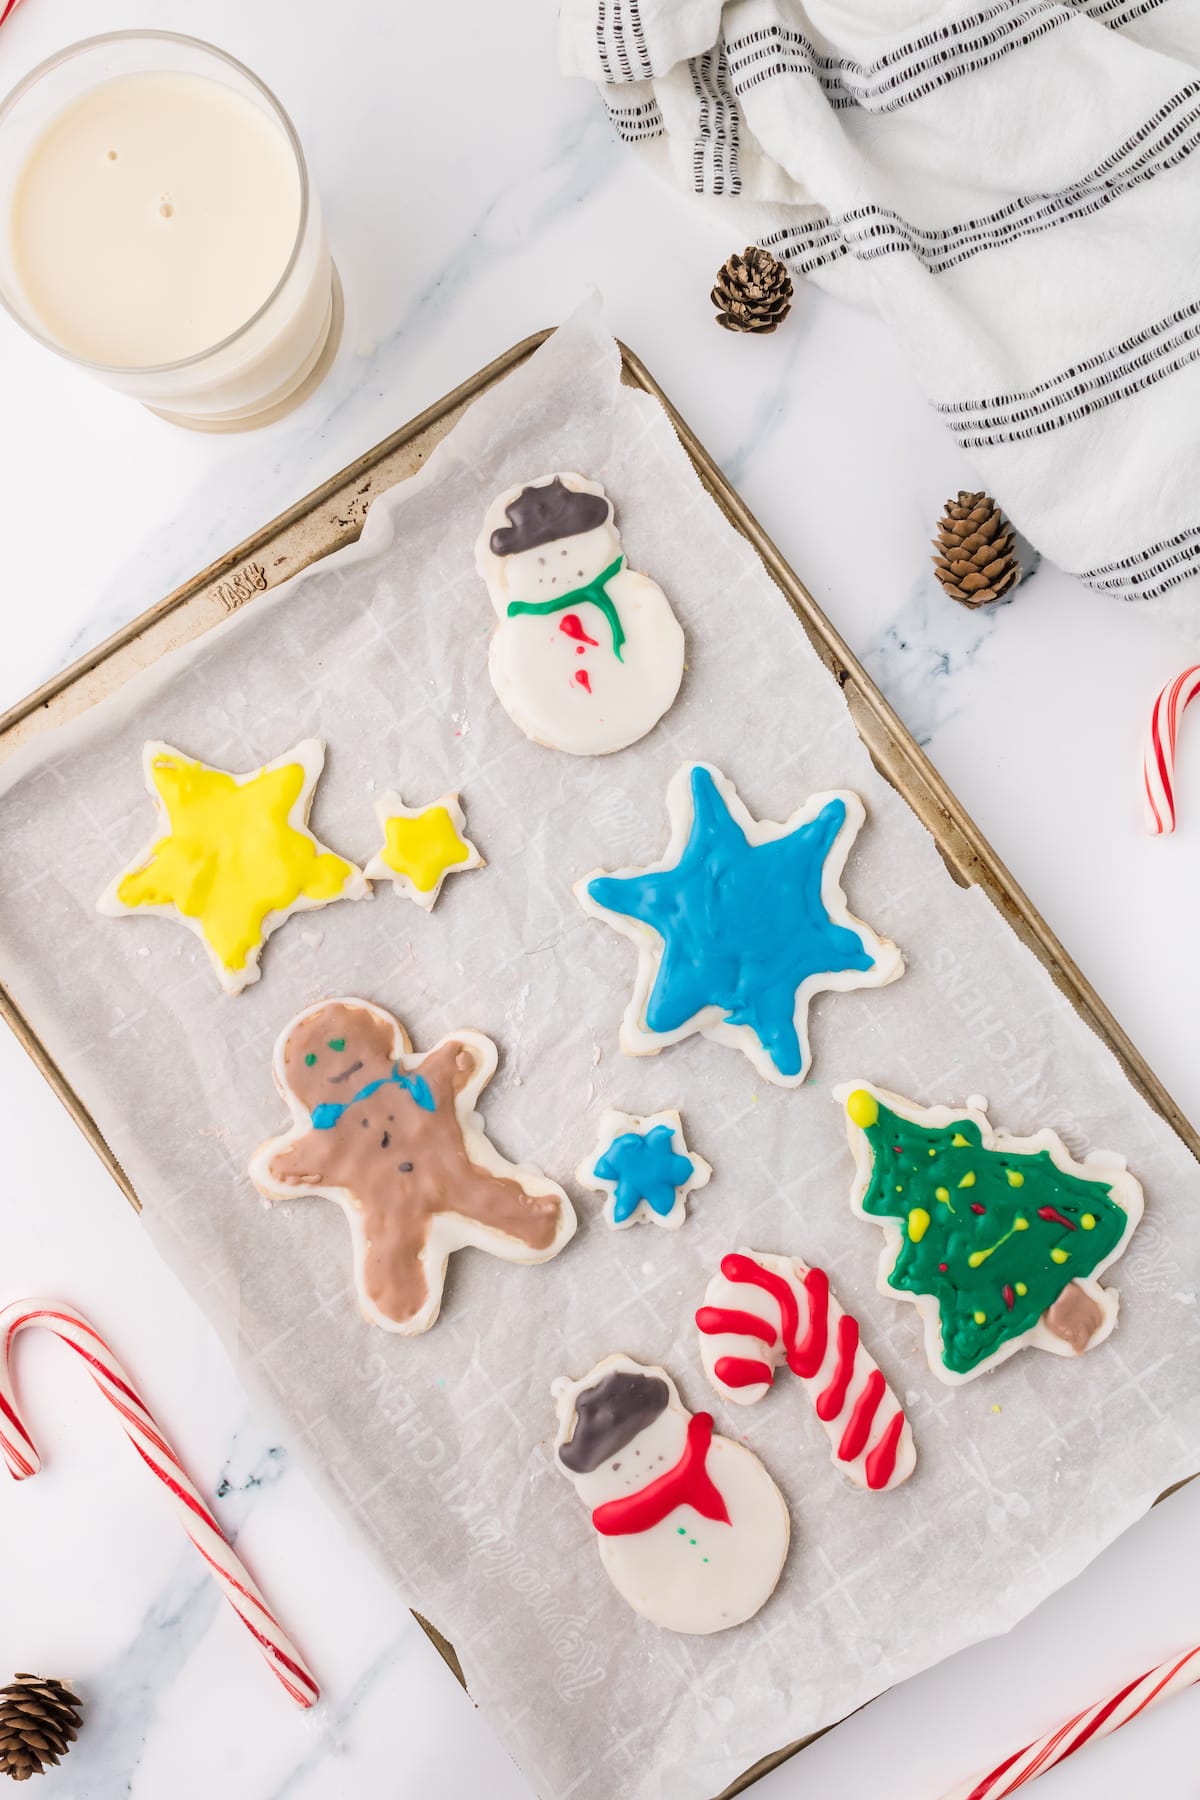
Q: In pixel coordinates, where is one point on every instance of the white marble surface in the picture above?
(464, 214)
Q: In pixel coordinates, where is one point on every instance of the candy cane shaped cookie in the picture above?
(763, 1310)
(143, 1432)
(1158, 762)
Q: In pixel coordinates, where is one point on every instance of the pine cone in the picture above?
(753, 292)
(975, 560)
(39, 1720)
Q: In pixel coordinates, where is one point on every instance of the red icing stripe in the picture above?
(832, 1400)
(714, 1319)
(880, 1465)
(742, 1371)
(687, 1484)
(744, 1268)
(808, 1355)
(858, 1428)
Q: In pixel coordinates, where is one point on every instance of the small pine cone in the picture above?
(753, 292)
(974, 556)
(39, 1720)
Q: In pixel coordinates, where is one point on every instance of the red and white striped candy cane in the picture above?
(6, 7)
(144, 1434)
(1158, 762)
(869, 1436)
(1086, 1727)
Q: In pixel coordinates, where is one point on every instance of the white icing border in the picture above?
(391, 806)
(448, 1232)
(636, 1037)
(615, 1124)
(310, 754)
(1125, 1190)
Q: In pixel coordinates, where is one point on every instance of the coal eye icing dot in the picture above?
(337, 1043)
(310, 1059)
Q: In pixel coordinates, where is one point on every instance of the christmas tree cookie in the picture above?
(740, 924)
(998, 1241)
(588, 655)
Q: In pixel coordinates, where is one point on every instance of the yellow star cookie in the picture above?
(233, 857)
(422, 845)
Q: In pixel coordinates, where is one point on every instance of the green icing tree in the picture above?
(992, 1236)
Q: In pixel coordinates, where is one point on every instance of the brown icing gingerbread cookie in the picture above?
(394, 1138)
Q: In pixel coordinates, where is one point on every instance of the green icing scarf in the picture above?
(595, 591)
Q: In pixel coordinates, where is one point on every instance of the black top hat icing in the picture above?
(541, 515)
(609, 1416)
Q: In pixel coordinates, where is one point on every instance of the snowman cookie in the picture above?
(588, 655)
(693, 1531)
(394, 1138)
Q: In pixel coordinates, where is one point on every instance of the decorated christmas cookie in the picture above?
(421, 846)
(998, 1241)
(588, 655)
(645, 1168)
(761, 1311)
(740, 924)
(394, 1138)
(232, 857)
(693, 1531)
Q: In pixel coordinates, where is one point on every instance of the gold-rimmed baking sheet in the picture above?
(333, 517)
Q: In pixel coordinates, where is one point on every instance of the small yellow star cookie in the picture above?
(422, 845)
(233, 856)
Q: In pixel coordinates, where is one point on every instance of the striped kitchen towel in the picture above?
(1014, 187)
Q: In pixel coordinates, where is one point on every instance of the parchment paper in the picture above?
(437, 1448)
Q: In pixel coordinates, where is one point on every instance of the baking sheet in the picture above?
(438, 1447)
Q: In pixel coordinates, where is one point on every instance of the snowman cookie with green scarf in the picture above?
(588, 655)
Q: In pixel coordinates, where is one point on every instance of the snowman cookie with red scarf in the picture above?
(693, 1531)
(588, 655)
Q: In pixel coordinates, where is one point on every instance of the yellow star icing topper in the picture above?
(236, 857)
(422, 845)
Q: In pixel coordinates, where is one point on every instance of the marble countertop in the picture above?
(467, 208)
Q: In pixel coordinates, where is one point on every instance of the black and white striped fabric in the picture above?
(1014, 186)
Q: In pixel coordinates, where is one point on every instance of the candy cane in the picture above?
(144, 1434)
(1158, 762)
(1085, 1728)
(741, 1350)
(6, 7)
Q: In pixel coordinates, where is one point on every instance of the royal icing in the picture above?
(421, 846)
(691, 1528)
(232, 857)
(997, 1240)
(394, 1138)
(588, 655)
(645, 1168)
(740, 924)
(761, 1311)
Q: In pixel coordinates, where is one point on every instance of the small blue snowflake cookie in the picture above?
(645, 1168)
(741, 924)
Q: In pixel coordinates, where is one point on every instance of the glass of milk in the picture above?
(157, 227)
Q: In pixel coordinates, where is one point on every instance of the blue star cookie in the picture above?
(645, 1168)
(741, 924)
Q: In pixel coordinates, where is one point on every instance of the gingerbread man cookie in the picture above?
(394, 1138)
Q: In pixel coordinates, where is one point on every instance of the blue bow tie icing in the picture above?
(644, 1168)
(326, 1115)
(743, 924)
